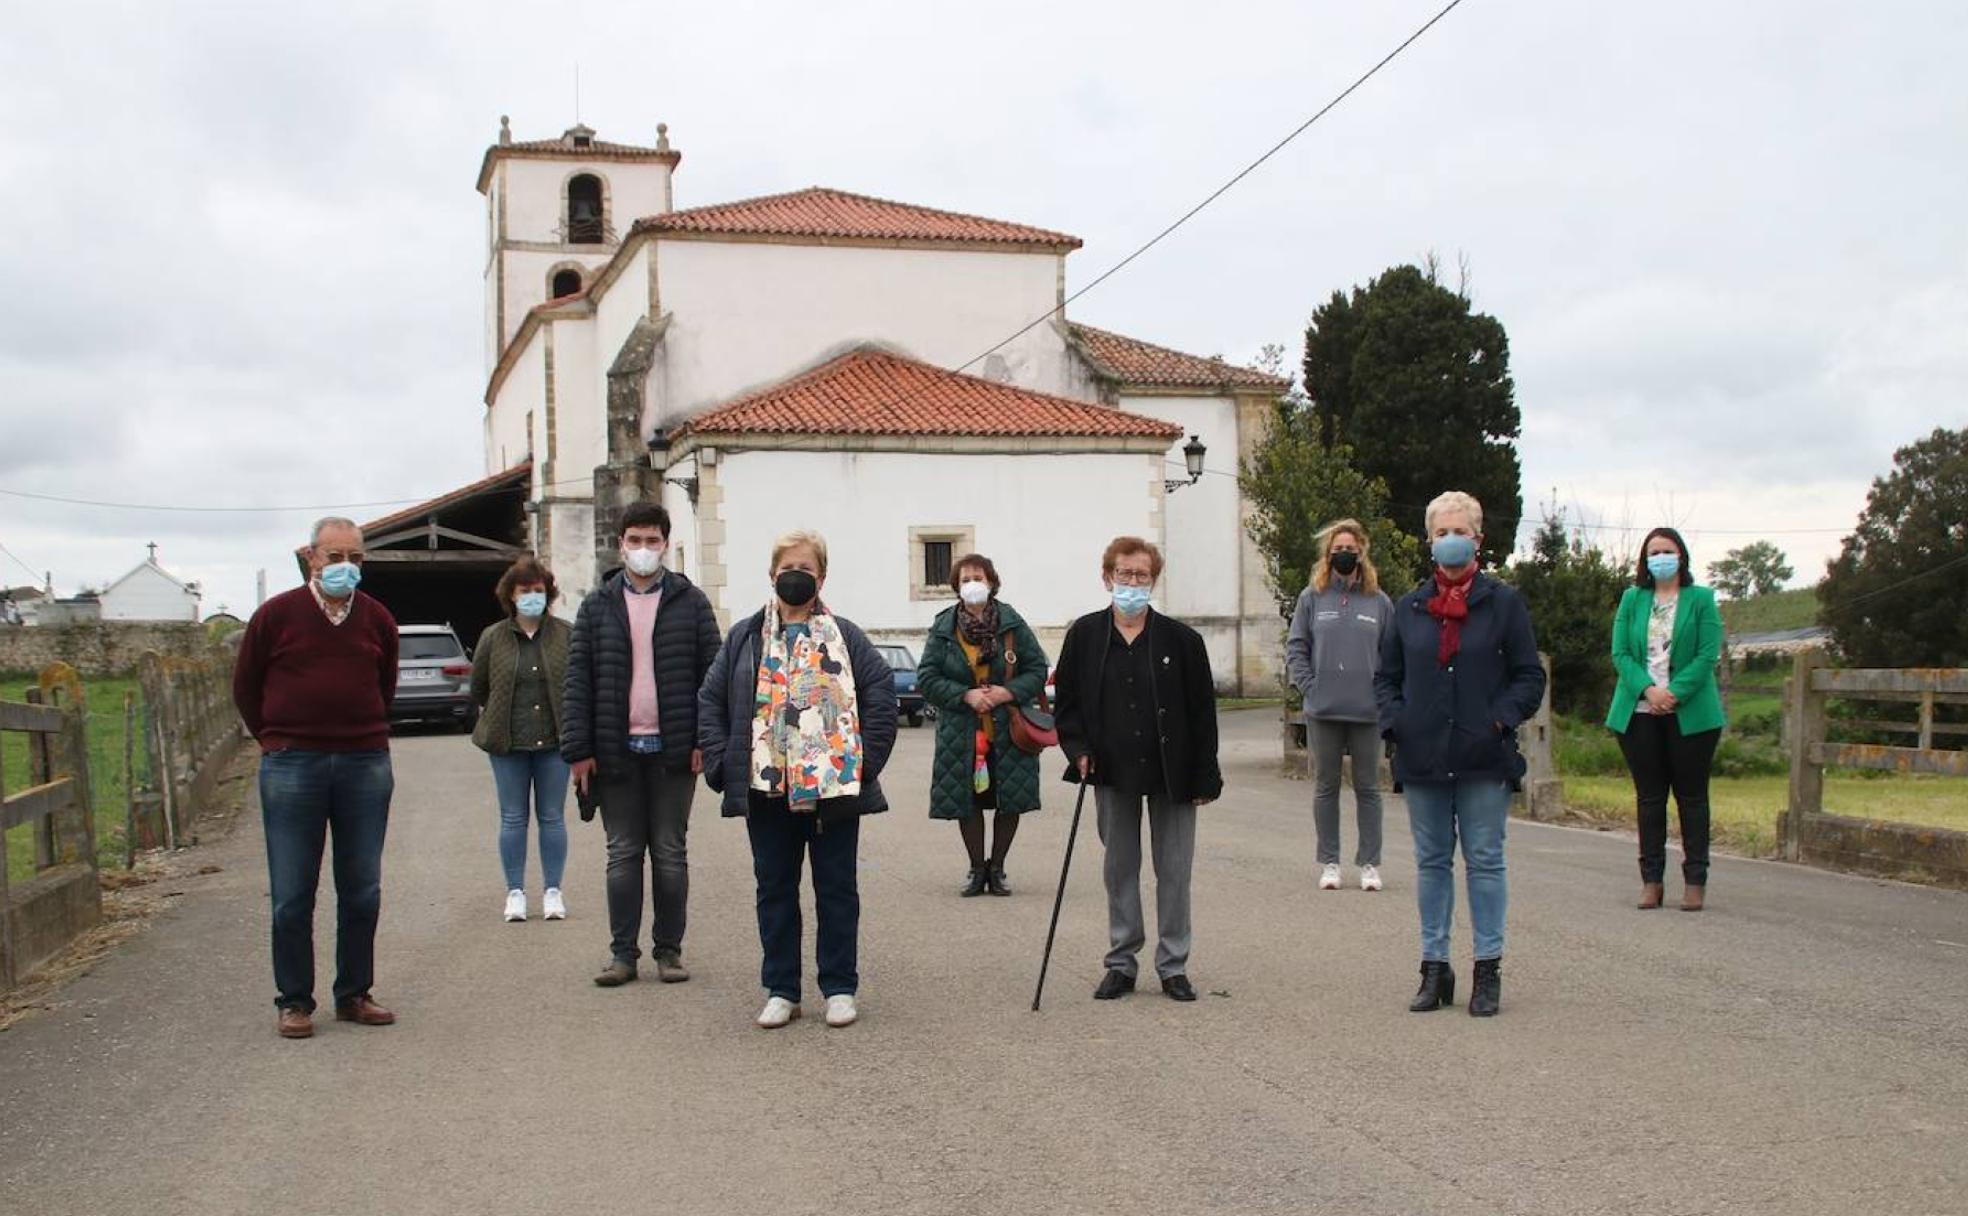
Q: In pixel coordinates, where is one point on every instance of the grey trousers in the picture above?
(645, 813)
(1329, 740)
(1172, 828)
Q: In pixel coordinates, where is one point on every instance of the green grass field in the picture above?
(1768, 613)
(105, 770)
(1744, 809)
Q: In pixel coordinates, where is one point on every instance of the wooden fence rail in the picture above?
(40, 916)
(190, 732)
(1808, 834)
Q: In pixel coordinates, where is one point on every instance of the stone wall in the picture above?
(1904, 851)
(98, 648)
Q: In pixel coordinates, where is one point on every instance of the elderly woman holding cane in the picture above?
(979, 660)
(1331, 653)
(1458, 671)
(796, 719)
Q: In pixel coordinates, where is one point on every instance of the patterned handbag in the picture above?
(1032, 726)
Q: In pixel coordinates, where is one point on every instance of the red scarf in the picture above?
(1450, 606)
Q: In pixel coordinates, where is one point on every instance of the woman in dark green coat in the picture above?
(979, 660)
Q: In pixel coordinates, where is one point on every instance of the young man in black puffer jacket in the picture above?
(642, 643)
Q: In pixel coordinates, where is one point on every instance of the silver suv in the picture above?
(433, 677)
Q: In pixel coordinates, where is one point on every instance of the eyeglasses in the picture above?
(335, 556)
(1134, 578)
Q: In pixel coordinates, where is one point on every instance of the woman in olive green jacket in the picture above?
(518, 667)
(1667, 710)
(979, 659)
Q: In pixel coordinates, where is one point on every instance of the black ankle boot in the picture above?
(974, 882)
(1487, 990)
(994, 881)
(1438, 988)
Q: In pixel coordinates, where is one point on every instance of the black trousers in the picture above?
(1661, 759)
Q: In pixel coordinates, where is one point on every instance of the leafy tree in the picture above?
(1420, 385)
(1895, 594)
(1296, 485)
(1758, 568)
(1572, 590)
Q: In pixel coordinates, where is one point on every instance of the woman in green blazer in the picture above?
(1667, 710)
(979, 659)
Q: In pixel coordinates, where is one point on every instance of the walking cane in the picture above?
(1072, 834)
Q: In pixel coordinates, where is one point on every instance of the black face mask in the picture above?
(795, 587)
(1345, 562)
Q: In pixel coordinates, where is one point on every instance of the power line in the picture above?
(23, 565)
(1950, 564)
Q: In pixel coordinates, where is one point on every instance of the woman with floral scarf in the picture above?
(796, 720)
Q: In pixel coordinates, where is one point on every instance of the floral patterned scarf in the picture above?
(806, 731)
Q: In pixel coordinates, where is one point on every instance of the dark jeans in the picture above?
(645, 810)
(305, 797)
(1661, 758)
(781, 841)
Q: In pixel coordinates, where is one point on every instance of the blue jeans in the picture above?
(1438, 812)
(781, 842)
(304, 798)
(535, 783)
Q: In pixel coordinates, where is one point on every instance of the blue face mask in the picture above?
(1453, 551)
(1131, 601)
(339, 579)
(1664, 566)
(531, 603)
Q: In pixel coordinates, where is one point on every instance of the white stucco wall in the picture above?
(633, 189)
(1201, 520)
(745, 316)
(1044, 521)
(579, 416)
(570, 551)
(147, 594)
(524, 389)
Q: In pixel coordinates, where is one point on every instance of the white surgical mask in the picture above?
(974, 593)
(643, 562)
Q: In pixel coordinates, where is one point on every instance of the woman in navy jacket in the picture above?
(1458, 671)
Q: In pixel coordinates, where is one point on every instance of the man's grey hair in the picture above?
(331, 521)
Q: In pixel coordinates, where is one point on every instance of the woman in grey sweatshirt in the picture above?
(1331, 654)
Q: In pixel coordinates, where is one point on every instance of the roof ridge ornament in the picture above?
(505, 130)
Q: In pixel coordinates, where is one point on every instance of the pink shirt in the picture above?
(642, 653)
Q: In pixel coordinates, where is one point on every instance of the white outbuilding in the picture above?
(903, 378)
(150, 593)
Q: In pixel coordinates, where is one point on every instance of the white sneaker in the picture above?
(515, 904)
(777, 1012)
(1370, 878)
(840, 1009)
(1329, 880)
(552, 906)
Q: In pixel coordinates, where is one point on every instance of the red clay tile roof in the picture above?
(820, 213)
(564, 148)
(520, 475)
(1134, 362)
(872, 392)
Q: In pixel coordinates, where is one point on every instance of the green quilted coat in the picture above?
(944, 676)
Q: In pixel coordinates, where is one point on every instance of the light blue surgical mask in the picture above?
(1664, 566)
(1131, 601)
(531, 603)
(1453, 551)
(339, 579)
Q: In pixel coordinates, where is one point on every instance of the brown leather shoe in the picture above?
(1692, 899)
(365, 1012)
(295, 1023)
(1651, 895)
(670, 969)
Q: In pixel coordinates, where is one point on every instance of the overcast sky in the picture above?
(242, 256)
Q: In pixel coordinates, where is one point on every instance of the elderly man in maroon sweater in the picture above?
(316, 672)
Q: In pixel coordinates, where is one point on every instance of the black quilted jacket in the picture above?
(595, 702)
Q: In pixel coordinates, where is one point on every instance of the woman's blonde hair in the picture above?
(793, 540)
(1322, 565)
(1454, 500)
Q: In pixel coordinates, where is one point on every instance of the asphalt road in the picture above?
(1798, 1048)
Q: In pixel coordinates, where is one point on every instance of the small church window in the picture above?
(566, 283)
(936, 562)
(585, 221)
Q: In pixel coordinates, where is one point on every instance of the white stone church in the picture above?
(791, 361)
